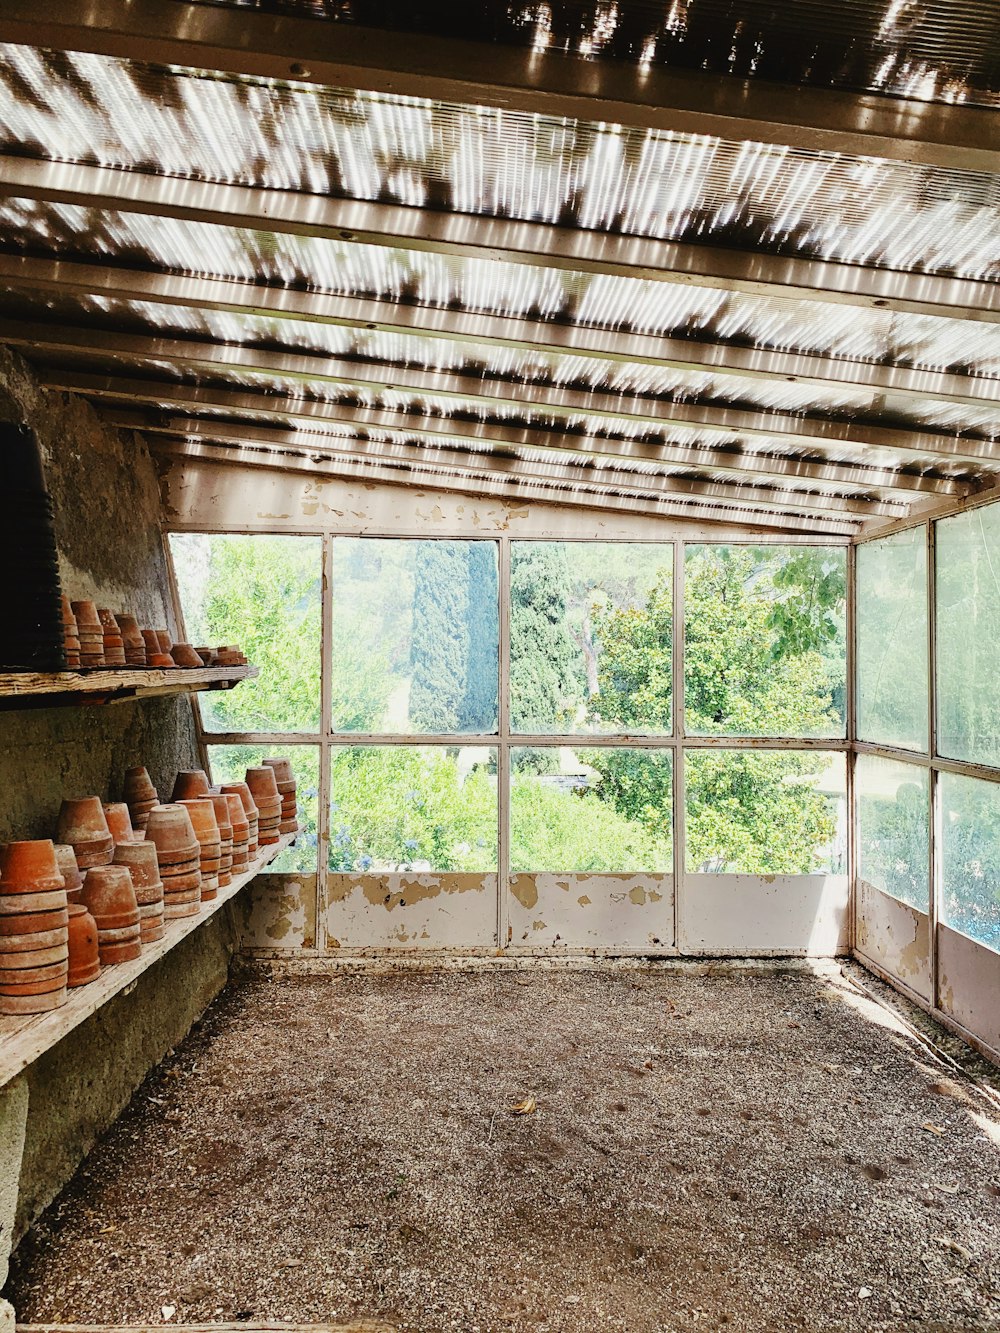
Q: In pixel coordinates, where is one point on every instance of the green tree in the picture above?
(482, 631)
(438, 643)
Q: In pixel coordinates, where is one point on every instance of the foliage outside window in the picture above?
(413, 808)
(415, 643)
(591, 811)
(262, 592)
(229, 763)
(894, 827)
(892, 666)
(970, 857)
(968, 635)
(765, 641)
(590, 638)
(765, 812)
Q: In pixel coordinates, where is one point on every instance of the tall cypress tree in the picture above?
(544, 661)
(479, 706)
(439, 649)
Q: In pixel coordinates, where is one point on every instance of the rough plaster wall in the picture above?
(105, 491)
(79, 1087)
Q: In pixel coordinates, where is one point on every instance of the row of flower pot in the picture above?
(117, 872)
(96, 637)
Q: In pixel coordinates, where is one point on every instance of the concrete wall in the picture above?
(105, 490)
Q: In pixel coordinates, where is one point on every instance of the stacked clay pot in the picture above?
(34, 929)
(109, 897)
(264, 789)
(70, 871)
(141, 860)
(140, 796)
(207, 656)
(220, 802)
(90, 632)
(185, 656)
(82, 824)
(114, 644)
(206, 830)
(285, 779)
(119, 821)
(135, 644)
(178, 854)
(84, 950)
(189, 784)
(71, 640)
(240, 825)
(230, 654)
(241, 790)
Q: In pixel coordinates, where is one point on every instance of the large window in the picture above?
(894, 828)
(970, 857)
(892, 640)
(538, 736)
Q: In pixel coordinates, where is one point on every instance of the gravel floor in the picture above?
(762, 1152)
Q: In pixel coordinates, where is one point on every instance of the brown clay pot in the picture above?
(85, 614)
(137, 787)
(118, 934)
(206, 828)
(207, 655)
(119, 822)
(110, 898)
(172, 912)
(263, 785)
(35, 987)
(142, 862)
(18, 977)
(185, 656)
(120, 953)
(16, 1005)
(237, 817)
(282, 766)
(150, 640)
(190, 784)
(162, 661)
(30, 867)
(55, 953)
(169, 827)
(83, 825)
(66, 859)
(190, 894)
(174, 884)
(27, 923)
(13, 904)
(241, 790)
(84, 962)
(30, 942)
(164, 641)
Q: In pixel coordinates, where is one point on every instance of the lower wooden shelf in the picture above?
(23, 1040)
(33, 689)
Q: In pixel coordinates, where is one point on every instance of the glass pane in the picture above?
(968, 635)
(894, 827)
(970, 857)
(767, 812)
(590, 638)
(415, 636)
(597, 810)
(413, 808)
(263, 593)
(892, 640)
(765, 648)
(229, 763)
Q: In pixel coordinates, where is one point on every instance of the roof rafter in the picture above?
(314, 415)
(529, 243)
(339, 54)
(459, 454)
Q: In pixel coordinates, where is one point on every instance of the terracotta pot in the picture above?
(169, 827)
(31, 941)
(185, 656)
(188, 866)
(263, 785)
(241, 790)
(207, 655)
(83, 825)
(27, 923)
(84, 963)
(175, 884)
(109, 897)
(137, 786)
(237, 817)
(119, 822)
(55, 953)
(150, 934)
(120, 953)
(173, 912)
(150, 640)
(130, 631)
(118, 934)
(66, 860)
(223, 818)
(85, 614)
(191, 894)
(30, 867)
(35, 987)
(141, 859)
(10, 977)
(190, 784)
(164, 641)
(16, 1005)
(206, 828)
(282, 766)
(13, 904)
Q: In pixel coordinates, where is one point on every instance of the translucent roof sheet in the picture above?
(946, 50)
(420, 278)
(80, 107)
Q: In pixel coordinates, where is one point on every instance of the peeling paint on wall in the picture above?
(969, 985)
(591, 911)
(895, 936)
(777, 914)
(411, 911)
(279, 912)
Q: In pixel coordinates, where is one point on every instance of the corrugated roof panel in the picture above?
(81, 107)
(937, 50)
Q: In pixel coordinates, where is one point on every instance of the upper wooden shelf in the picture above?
(29, 689)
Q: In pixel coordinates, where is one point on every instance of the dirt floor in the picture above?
(759, 1152)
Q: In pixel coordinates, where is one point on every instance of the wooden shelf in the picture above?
(30, 689)
(23, 1040)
